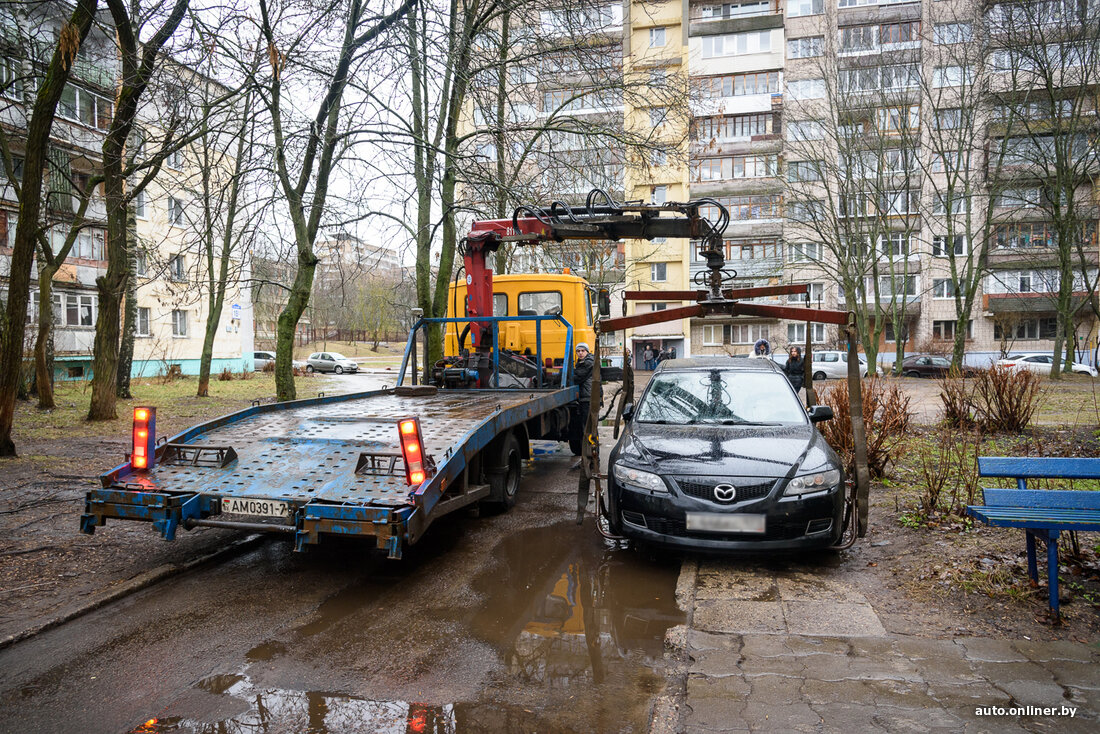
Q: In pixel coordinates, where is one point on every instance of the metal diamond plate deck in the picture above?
(310, 452)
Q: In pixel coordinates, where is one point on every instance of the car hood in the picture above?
(761, 451)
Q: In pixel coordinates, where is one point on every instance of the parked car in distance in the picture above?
(330, 362)
(1041, 363)
(929, 365)
(833, 364)
(719, 454)
(261, 359)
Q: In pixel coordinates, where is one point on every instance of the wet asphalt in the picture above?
(515, 622)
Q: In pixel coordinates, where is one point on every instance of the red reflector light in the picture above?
(139, 462)
(141, 414)
(417, 477)
(412, 451)
(143, 453)
(408, 427)
(412, 448)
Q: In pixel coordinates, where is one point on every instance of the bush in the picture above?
(885, 419)
(948, 469)
(999, 399)
(269, 366)
(1005, 399)
(226, 375)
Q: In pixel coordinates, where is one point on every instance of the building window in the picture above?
(746, 333)
(940, 245)
(174, 160)
(179, 323)
(745, 207)
(730, 127)
(656, 37)
(742, 250)
(950, 76)
(657, 116)
(89, 245)
(177, 269)
(805, 48)
(943, 288)
(950, 118)
(889, 335)
(1028, 329)
(797, 8)
(945, 330)
(898, 119)
(141, 326)
(657, 307)
(80, 105)
(658, 158)
(733, 167)
(737, 44)
(736, 85)
(796, 333)
(658, 272)
(802, 130)
(951, 204)
(712, 335)
(80, 310)
(893, 203)
(951, 33)
(800, 252)
(139, 204)
(175, 211)
(806, 89)
(804, 170)
(895, 244)
(659, 194)
(817, 292)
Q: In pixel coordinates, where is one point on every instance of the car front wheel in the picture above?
(338, 370)
(912, 373)
(309, 368)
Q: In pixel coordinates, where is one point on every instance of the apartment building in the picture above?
(872, 149)
(171, 312)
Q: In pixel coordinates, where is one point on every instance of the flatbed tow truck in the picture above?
(386, 464)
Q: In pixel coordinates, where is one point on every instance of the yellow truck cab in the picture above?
(531, 294)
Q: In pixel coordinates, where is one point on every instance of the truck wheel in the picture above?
(575, 446)
(504, 473)
(818, 376)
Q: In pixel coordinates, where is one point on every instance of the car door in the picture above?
(938, 366)
(1040, 363)
(328, 364)
(831, 365)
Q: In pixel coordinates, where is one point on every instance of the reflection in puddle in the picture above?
(579, 630)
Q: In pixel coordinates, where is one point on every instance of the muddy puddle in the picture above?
(578, 629)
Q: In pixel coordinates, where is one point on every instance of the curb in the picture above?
(133, 585)
(668, 710)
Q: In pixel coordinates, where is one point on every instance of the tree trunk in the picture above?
(71, 36)
(288, 323)
(859, 436)
(216, 304)
(42, 368)
(129, 319)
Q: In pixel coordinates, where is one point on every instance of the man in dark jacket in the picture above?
(582, 378)
(795, 368)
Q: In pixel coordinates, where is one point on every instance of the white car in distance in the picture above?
(1042, 363)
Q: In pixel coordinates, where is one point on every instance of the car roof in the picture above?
(727, 363)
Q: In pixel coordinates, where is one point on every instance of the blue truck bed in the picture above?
(334, 461)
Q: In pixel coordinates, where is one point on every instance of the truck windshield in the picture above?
(545, 303)
(721, 397)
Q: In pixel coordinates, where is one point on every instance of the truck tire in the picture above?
(575, 446)
(504, 468)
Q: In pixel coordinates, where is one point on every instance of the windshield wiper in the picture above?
(730, 422)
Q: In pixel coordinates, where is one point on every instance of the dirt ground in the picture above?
(942, 578)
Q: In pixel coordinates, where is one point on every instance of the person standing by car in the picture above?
(795, 368)
(761, 350)
(582, 378)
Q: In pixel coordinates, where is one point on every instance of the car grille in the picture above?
(703, 488)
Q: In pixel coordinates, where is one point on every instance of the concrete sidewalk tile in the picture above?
(1057, 650)
(996, 672)
(902, 694)
(992, 726)
(854, 717)
(815, 587)
(923, 648)
(991, 651)
(959, 696)
(789, 666)
(817, 646)
(775, 688)
(716, 704)
(832, 619)
(714, 615)
(766, 646)
(735, 583)
(763, 715)
(716, 663)
(825, 692)
(1033, 692)
(698, 640)
(828, 667)
(909, 718)
(1087, 699)
(948, 670)
(1071, 673)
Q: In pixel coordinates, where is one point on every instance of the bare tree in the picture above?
(72, 34)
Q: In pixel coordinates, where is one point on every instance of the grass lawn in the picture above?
(385, 354)
(177, 406)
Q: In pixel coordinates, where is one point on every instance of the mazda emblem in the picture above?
(725, 492)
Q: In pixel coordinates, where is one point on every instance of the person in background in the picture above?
(795, 368)
(647, 358)
(582, 378)
(761, 350)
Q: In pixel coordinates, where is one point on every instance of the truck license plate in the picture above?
(245, 506)
(721, 523)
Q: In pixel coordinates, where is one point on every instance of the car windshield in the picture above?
(725, 397)
(335, 355)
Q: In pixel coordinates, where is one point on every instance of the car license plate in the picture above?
(264, 508)
(721, 523)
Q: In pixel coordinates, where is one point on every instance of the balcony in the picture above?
(708, 19)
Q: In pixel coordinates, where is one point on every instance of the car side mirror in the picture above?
(628, 412)
(603, 301)
(820, 413)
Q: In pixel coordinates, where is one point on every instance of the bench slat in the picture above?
(1006, 517)
(1056, 499)
(1038, 467)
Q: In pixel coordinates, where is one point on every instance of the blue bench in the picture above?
(1042, 513)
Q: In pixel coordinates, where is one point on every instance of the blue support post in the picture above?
(1032, 566)
(496, 354)
(1052, 569)
(408, 350)
(538, 350)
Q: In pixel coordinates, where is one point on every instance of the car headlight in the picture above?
(639, 478)
(812, 482)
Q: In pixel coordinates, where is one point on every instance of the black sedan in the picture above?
(928, 365)
(720, 455)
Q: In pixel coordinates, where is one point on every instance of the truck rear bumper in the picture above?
(168, 512)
